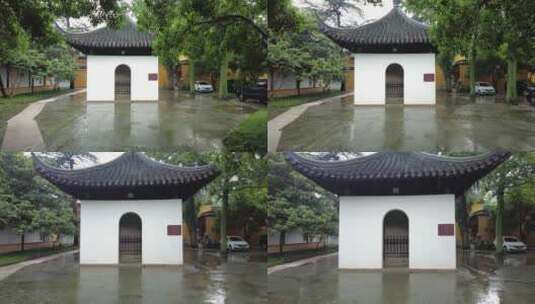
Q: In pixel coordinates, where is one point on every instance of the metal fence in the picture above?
(395, 250)
(394, 90)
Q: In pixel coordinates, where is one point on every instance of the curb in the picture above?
(8, 270)
(276, 124)
(299, 263)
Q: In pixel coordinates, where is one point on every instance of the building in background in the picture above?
(393, 57)
(397, 209)
(119, 63)
(131, 207)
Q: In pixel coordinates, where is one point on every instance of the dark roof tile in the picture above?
(409, 172)
(132, 175)
(393, 30)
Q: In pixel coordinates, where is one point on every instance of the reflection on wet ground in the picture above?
(324, 283)
(204, 278)
(184, 122)
(454, 124)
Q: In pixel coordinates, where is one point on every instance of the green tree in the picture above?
(306, 54)
(294, 202)
(455, 27)
(519, 170)
(238, 192)
(26, 198)
(29, 24)
(221, 34)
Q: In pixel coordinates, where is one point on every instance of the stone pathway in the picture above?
(276, 124)
(10, 269)
(299, 263)
(22, 132)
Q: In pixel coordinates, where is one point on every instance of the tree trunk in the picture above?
(22, 242)
(499, 222)
(191, 76)
(32, 83)
(463, 219)
(511, 77)
(2, 89)
(282, 241)
(223, 221)
(223, 79)
(472, 61)
(298, 86)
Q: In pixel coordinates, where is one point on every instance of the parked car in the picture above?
(484, 88)
(513, 244)
(258, 92)
(236, 243)
(203, 87)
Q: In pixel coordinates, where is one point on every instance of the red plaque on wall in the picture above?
(446, 229)
(174, 230)
(153, 77)
(429, 77)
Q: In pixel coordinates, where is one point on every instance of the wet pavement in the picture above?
(182, 121)
(204, 278)
(323, 283)
(454, 124)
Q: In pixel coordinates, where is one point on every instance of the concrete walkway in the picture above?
(10, 269)
(278, 123)
(22, 132)
(300, 263)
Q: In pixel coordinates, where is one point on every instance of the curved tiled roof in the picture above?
(394, 30)
(126, 38)
(388, 173)
(130, 176)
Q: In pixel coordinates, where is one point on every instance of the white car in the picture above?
(513, 244)
(235, 243)
(484, 88)
(203, 87)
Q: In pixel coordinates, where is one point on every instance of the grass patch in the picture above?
(280, 105)
(11, 106)
(30, 254)
(275, 259)
(250, 135)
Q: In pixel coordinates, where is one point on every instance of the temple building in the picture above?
(397, 209)
(120, 64)
(131, 207)
(393, 57)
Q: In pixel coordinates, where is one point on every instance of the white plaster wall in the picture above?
(292, 237)
(99, 230)
(101, 77)
(361, 230)
(8, 237)
(370, 74)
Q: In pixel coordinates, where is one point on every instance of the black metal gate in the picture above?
(396, 250)
(396, 239)
(394, 84)
(122, 81)
(130, 238)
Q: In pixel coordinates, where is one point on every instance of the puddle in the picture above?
(455, 124)
(174, 122)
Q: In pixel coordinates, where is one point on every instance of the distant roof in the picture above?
(398, 173)
(126, 39)
(132, 175)
(395, 32)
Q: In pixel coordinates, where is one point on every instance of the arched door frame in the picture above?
(140, 235)
(129, 80)
(383, 235)
(396, 90)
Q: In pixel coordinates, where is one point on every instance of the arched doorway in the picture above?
(394, 84)
(123, 77)
(396, 239)
(130, 238)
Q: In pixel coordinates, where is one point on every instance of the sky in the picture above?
(370, 12)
